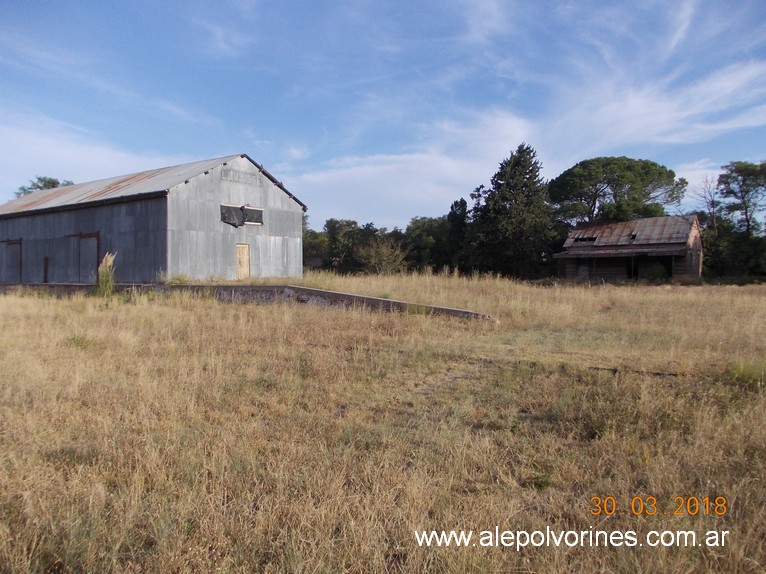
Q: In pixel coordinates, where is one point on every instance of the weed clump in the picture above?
(106, 285)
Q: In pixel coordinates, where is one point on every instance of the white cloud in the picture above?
(80, 68)
(484, 20)
(33, 144)
(695, 172)
(226, 30)
(224, 40)
(38, 55)
(682, 23)
(298, 152)
(391, 189)
(414, 115)
(620, 113)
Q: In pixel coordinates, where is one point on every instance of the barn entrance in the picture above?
(88, 259)
(10, 262)
(243, 260)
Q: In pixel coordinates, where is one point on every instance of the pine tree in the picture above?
(512, 221)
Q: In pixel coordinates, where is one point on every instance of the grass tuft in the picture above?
(106, 286)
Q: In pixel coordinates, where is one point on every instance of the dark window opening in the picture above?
(232, 215)
(253, 215)
(584, 239)
(237, 216)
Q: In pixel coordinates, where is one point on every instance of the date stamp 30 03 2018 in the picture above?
(648, 506)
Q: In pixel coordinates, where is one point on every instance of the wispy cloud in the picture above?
(227, 31)
(682, 24)
(389, 189)
(224, 40)
(19, 51)
(384, 111)
(484, 20)
(619, 114)
(33, 144)
(85, 70)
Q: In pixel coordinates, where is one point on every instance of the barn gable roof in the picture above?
(652, 235)
(154, 182)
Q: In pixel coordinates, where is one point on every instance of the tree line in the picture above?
(515, 224)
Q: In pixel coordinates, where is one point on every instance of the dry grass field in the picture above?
(157, 433)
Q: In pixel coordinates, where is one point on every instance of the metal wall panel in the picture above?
(56, 241)
(201, 246)
(10, 262)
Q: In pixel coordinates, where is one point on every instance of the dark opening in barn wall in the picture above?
(237, 216)
(253, 215)
(10, 261)
(232, 215)
(88, 259)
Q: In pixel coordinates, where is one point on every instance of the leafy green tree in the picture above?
(511, 221)
(39, 183)
(426, 243)
(744, 184)
(728, 216)
(315, 246)
(351, 248)
(731, 252)
(381, 255)
(615, 189)
(342, 236)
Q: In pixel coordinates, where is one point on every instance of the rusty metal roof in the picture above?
(648, 231)
(122, 187)
(650, 236)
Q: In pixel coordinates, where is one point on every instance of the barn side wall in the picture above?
(201, 246)
(66, 246)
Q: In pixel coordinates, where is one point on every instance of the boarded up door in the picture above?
(88, 259)
(243, 260)
(10, 262)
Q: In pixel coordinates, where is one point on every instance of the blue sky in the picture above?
(377, 111)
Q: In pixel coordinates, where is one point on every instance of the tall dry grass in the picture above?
(177, 434)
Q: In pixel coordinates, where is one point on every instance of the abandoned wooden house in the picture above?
(224, 218)
(651, 248)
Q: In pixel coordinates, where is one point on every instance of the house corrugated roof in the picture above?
(655, 235)
(648, 231)
(122, 187)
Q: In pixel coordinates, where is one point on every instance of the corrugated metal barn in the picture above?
(651, 248)
(224, 218)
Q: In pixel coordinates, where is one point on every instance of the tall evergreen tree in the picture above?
(511, 221)
(457, 224)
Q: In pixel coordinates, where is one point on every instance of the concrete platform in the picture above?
(268, 294)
